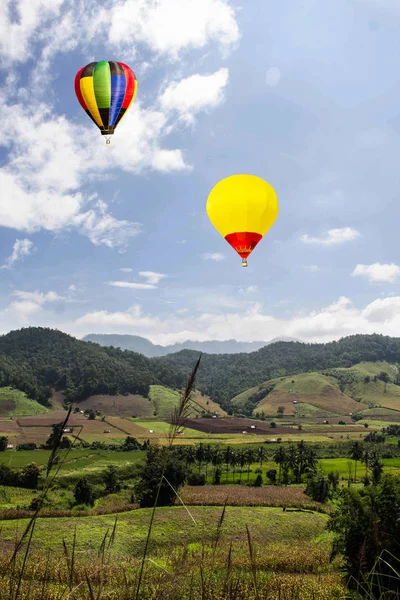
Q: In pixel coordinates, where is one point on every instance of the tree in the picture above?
(83, 492)
(318, 487)
(91, 415)
(280, 411)
(367, 523)
(111, 479)
(356, 454)
(29, 476)
(130, 444)
(3, 443)
(280, 457)
(161, 467)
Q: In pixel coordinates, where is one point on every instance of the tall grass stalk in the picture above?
(178, 421)
(54, 459)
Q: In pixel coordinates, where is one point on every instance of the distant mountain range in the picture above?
(136, 343)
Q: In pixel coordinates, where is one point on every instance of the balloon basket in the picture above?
(244, 262)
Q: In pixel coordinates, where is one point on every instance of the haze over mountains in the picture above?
(136, 343)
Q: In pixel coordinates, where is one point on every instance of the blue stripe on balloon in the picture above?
(118, 85)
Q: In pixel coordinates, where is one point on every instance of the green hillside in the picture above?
(36, 360)
(224, 376)
(359, 389)
(165, 400)
(14, 403)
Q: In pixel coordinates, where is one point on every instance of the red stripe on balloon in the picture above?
(130, 85)
(243, 242)
(78, 88)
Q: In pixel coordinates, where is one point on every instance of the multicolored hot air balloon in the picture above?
(106, 90)
(242, 208)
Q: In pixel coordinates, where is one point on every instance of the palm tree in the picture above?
(250, 458)
(200, 455)
(228, 454)
(262, 455)
(280, 457)
(356, 454)
(241, 457)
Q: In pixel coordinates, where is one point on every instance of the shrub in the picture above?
(196, 479)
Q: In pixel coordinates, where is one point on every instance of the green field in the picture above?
(16, 403)
(173, 526)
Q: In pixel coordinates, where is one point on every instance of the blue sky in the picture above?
(303, 93)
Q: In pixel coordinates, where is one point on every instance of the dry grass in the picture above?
(119, 406)
(241, 495)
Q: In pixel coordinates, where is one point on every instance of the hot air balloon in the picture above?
(105, 90)
(242, 208)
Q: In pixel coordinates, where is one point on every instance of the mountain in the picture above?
(140, 344)
(36, 359)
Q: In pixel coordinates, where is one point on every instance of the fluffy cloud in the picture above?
(195, 93)
(341, 318)
(333, 237)
(217, 256)
(21, 249)
(166, 27)
(378, 273)
(170, 26)
(48, 157)
(28, 304)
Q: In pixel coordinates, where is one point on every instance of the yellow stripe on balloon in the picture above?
(242, 203)
(87, 91)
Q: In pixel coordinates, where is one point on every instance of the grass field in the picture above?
(187, 559)
(173, 526)
(13, 402)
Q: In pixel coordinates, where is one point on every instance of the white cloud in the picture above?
(132, 285)
(153, 278)
(166, 27)
(181, 242)
(170, 26)
(16, 35)
(251, 289)
(126, 270)
(21, 249)
(28, 304)
(217, 256)
(378, 273)
(312, 268)
(333, 237)
(195, 93)
(250, 322)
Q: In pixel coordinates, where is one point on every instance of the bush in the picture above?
(196, 479)
(318, 488)
(259, 480)
(83, 492)
(29, 476)
(27, 446)
(271, 474)
(161, 466)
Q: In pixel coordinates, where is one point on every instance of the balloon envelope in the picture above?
(105, 90)
(242, 208)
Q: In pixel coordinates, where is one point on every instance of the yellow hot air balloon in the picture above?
(242, 208)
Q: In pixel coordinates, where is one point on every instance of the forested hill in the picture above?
(36, 359)
(224, 376)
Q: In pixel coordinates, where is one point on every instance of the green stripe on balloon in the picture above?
(102, 84)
